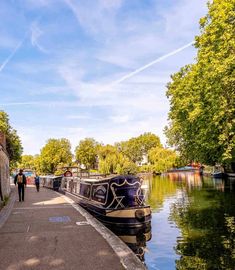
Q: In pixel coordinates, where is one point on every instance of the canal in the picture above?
(193, 223)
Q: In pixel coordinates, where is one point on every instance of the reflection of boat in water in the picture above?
(115, 200)
(135, 241)
(218, 174)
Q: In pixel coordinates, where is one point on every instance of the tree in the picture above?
(108, 158)
(27, 161)
(202, 95)
(13, 144)
(86, 152)
(112, 161)
(137, 147)
(162, 159)
(56, 153)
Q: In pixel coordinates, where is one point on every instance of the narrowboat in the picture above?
(116, 200)
(51, 181)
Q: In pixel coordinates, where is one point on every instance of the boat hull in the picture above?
(131, 217)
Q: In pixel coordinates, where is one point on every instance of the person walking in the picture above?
(37, 182)
(20, 180)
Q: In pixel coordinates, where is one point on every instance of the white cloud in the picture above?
(120, 118)
(36, 33)
(126, 96)
(96, 17)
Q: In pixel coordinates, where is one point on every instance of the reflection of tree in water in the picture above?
(207, 225)
(159, 189)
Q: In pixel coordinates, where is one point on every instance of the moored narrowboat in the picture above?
(51, 181)
(115, 200)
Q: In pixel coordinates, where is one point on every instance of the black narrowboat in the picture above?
(51, 181)
(116, 200)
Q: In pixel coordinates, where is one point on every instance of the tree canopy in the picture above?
(137, 147)
(202, 95)
(112, 161)
(56, 153)
(27, 161)
(13, 144)
(162, 159)
(86, 152)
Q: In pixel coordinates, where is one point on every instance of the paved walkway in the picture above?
(49, 231)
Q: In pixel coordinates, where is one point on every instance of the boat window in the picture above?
(85, 190)
(99, 193)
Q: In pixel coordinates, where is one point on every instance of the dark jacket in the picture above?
(20, 179)
(37, 180)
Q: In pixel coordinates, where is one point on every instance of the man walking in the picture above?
(20, 179)
(37, 182)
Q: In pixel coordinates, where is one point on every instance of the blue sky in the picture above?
(86, 68)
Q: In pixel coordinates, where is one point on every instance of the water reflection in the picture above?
(193, 222)
(135, 238)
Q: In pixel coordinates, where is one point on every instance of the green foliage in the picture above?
(146, 168)
(108, 159)
(162, 159)
(202, 95)
(126, 166)
(56, 153)
(27, 162)
(86, 152)
(137, 147)
(112, 161)
(13, 143)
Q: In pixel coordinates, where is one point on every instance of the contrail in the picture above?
(107, 87)
(151, 64)
(12, 54)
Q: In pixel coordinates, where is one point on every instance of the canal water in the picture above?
(193, 223)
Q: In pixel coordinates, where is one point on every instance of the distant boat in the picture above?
(218, 175)
(115, 200)
(198, 169)
(218, 172)
(51, 181)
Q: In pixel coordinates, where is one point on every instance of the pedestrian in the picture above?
(37, 182)
(20, 180)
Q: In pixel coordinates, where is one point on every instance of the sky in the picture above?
(92, 68)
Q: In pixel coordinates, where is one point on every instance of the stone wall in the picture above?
(4, 170)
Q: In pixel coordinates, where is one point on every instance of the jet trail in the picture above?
(11, 55)
(151, 63)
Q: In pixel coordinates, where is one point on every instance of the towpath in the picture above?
(50, 231)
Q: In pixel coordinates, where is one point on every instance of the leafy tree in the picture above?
(38, 164)
(13, 144)
(126, 166)
(108, 159)
(56, 153)
(137, 147)
(86, 152)
(27, 161)
(162, 159)
(202, 95)
(112, 161)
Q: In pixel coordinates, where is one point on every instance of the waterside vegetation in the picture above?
(142, 153)
(202, 95)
